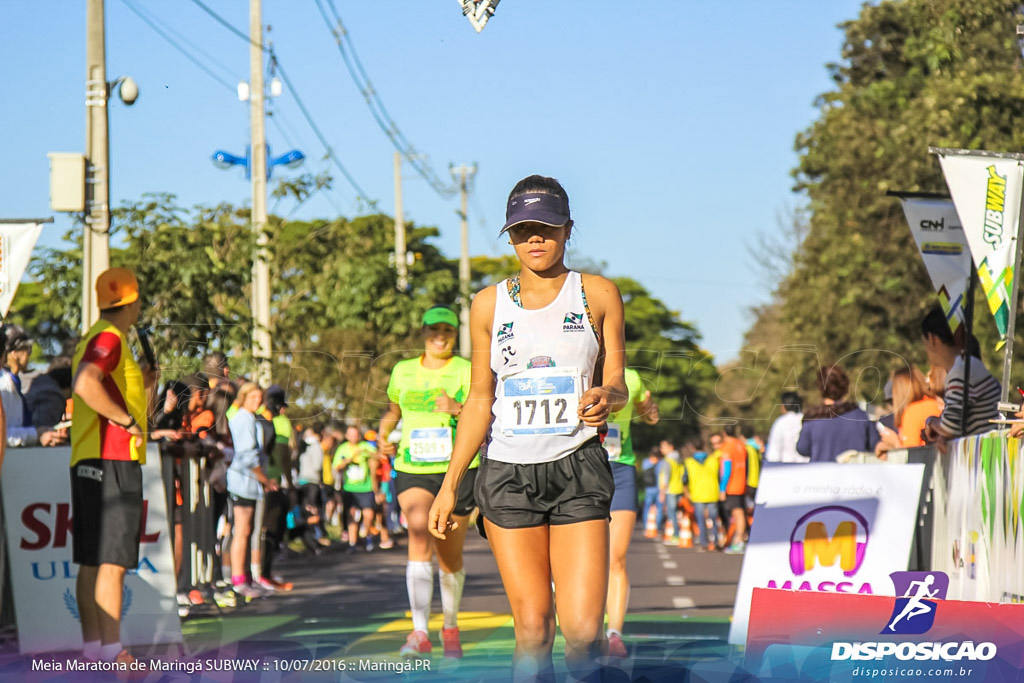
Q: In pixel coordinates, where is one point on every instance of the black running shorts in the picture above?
(364, 500)
(733, 502)
(576, 488)
(464, 503)
(106, 512)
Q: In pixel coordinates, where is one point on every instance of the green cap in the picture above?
(440, 314)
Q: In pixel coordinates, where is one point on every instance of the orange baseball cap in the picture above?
(116, 287)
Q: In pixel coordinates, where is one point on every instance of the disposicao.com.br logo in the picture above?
(919, 595)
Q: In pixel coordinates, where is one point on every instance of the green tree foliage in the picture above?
(913, 74)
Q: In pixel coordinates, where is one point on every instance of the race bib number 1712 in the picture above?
(541, 401)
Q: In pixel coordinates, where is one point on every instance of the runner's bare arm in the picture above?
(611, 396)
(387, 425)
(475, 418)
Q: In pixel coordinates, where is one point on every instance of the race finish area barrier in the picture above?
(36, 489)
(963, 591)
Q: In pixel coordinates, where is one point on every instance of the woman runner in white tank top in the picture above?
(548, 358)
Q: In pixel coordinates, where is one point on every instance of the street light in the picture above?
(225, 160)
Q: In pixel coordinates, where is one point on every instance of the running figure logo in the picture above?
(914, 612)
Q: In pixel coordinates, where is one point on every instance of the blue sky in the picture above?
(670, 122)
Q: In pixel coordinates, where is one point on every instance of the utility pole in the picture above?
(95, 233)
(465, 177)
(258, 150)
(400, 264)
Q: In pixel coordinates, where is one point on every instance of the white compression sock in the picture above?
(419, 579)
(451, 596)
(109, 652)
(91, 650)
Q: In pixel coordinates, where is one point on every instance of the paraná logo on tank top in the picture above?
(505, 332)
(573, 322)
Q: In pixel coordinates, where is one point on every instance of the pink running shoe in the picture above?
(416, 645)
(616, 648)
(450, 640)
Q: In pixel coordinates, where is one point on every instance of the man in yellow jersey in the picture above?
(112, 400)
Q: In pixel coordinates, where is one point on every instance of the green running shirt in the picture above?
(426, 445)
(356, 478)
(621, 450)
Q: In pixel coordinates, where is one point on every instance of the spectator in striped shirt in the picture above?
(945, 350)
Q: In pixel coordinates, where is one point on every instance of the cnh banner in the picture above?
(944, 250)
(986, 190)
(17, 240)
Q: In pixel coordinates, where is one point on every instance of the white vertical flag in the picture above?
(17, 240)
(986, 190)
(943, 246)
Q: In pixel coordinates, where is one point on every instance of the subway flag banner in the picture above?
(943, 246)
(986, 190)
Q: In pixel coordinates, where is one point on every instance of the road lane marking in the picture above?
(683, 603)
(668, 565)
(675, 580)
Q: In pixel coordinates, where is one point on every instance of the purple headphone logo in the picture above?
(817, 545)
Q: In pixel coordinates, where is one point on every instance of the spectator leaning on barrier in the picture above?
(913, 405)
(945, 351)
(47, 398)
(20, 432)
(112, 401)
(785, 431)
(837, 425)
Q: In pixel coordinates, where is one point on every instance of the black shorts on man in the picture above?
(364, 500)
(575, 488)
(465, 501)
(106, 512)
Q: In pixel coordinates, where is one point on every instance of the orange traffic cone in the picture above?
(651, 523)
(685, 533)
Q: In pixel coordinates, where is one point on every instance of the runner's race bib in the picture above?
(541, 401)
(613, 441)
(430, 444)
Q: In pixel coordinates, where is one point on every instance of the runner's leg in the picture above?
(579, 567)
(522, 557)
(621, 533)
(419, 573)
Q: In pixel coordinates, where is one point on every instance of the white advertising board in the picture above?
(36, 486)
(828, 527)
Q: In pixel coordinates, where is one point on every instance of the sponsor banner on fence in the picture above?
(943, 246)
(37, 522)
(978, 537)
(827, 636)
(986, 190)
(17, 240)
(828, 528)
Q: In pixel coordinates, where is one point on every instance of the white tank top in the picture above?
(542, 361)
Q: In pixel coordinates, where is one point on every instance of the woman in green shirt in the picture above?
(427, 394)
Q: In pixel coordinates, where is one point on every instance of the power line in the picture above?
(376, 105)
(224, 22)
(298, 100)
(320, 136)
(173, 43)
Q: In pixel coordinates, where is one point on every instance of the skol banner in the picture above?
(17, 240)
(943, 246)
(986, 191)
(37, 521)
